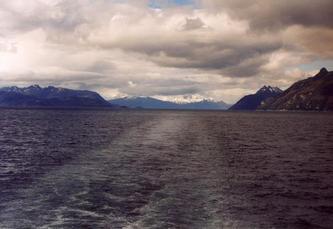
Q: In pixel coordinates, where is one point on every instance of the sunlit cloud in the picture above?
(172, 49)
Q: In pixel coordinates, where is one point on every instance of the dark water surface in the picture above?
(165, 169)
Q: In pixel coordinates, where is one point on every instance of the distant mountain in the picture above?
(36, 96)
(205, 105)
(314, 93)
(142, 102)
(252, 102)
(152, 103)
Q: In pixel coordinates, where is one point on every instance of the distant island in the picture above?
(312, 94)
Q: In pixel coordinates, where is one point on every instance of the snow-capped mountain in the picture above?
(269, 89)
(153, 103)
(252, 102)
(37, 96)
(314, 93)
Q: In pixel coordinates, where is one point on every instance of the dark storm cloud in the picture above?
(236, 57)
(223, 53)
(270, 14)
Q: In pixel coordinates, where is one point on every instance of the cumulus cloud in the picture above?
(220, 49)
(271, 14)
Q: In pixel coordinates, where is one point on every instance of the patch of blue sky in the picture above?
(316, 65)
(167, 3)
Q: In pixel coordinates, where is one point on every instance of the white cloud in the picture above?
(122, 48)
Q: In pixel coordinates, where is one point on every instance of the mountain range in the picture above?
(36, 96)
(252, 102)
(314, 93)
(152, 103)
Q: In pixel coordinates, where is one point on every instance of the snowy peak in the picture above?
(252, 102)
(313, 93)
(29, 89)
(34, 87)
(153, 103)
(36, 96)
(269, 89)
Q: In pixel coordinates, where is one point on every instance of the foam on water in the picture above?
(165, 169)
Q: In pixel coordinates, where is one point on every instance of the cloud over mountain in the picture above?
(211, 48)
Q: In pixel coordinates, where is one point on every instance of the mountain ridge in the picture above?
(253, 101)
(313, 93)
(36, 96)
(153, 103)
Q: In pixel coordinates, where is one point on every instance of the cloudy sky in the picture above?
(170, 49)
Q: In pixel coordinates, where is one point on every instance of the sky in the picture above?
(178, 50)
